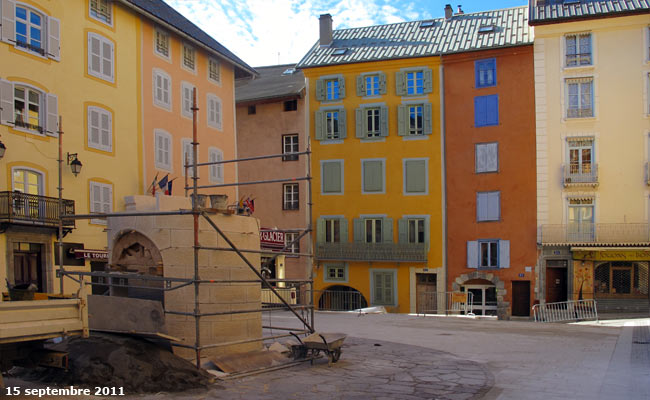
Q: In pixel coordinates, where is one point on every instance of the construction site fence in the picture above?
(447, 303)
(564, 311)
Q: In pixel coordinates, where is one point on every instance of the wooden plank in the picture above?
(243, 362)
(21, 314)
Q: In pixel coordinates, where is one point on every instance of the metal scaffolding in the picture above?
(304, 312)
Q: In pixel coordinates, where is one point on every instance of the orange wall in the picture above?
(516, 177)
(181, 127)
(261, 134)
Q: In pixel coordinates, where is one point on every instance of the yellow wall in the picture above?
(68, 79)
(394, 149)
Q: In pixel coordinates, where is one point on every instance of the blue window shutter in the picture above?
(402, 228)
(493, 67)
(504, 254)
(493, 206)
(388, 230)
(472, 254)
(343, 224)
(492, 110)
(359, 230)
(480, 111)
(482, 206)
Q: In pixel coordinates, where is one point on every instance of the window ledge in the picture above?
(332, 194)
(416, 137)
(373, 140)
(416, 194)
(579, 119)
(331, 102)
(163, 107)
(374, 96)
(579, 68)
(331, 141)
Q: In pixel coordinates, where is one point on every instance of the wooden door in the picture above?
(556, 284)
(27, 269)
(426, 294)
(521, 298)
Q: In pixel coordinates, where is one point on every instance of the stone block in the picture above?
(182, 238)
(209, 238)
(215, 273)
(178, 256)
(144, 224)
(246, 306)
(173, 203)
(176, 222)
(242, 273)
(254, 327)
(160, 237)
(226, 294)
(139, 203)
(254, 294)
(231, 259)
(226, 331)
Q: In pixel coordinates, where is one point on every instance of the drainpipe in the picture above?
(443, 171)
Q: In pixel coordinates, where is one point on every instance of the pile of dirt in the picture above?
(137, 365)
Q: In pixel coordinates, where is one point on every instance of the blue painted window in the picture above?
(486, 110)
(29, 26)
(415, 82)
(372, 85)
(486, 72)
(332, 89)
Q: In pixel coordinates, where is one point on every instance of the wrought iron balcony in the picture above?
(590, 233)
(397, 252)
(580, 175)
(28, 209)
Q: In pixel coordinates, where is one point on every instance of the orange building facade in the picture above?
(491, 179)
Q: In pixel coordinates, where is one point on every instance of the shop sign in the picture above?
(612, 255)
(92, 255)
(271, 239)
(459, 297)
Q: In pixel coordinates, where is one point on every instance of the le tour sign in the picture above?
(271, 239)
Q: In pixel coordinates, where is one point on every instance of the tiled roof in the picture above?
(557, 10)
(160, 10)
(270, 84)
(409, 39)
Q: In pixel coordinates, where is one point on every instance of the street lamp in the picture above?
(74, 163)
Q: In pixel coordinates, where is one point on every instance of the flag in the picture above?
(152, 187)
(163, 183)
(250, 204)
(169, 188)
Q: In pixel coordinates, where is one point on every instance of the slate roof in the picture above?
(161, 10)
(270, 84)
(409, 39)
(554, 11)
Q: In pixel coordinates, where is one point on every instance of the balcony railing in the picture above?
(580, 175)
(29, 209)
(411, 252)
(590, 233)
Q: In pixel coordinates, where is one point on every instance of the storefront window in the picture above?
(621, 279)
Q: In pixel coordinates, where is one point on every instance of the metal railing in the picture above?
(22, 208)
(447, 303)
(580, 175)
(338, 300)
(413, 252)
(573, 310)
(589, 232)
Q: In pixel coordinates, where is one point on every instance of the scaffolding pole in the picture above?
(61, 211)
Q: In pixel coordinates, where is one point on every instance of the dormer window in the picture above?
(486, 29)
(339, 52)
(427, 24)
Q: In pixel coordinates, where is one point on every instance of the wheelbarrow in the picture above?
(312, 345)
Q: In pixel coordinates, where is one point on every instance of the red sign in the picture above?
(271, 239)
(93, 255)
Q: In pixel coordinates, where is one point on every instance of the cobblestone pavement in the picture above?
(368, 369)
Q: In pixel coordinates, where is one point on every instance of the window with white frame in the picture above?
(332, 177)
(415, 176)
(214, 111)
(335, 273)
(488, 207)
(371, 121)
(188, 157)
(414, 119)
(371, 84)
(383, 287)
(102, 10)
(416, 232)
(581, 155)
(580, 97)
(580, 226)
(290, 196)
(163, 149)
(162, 89)
(332, 230)
(487, 157)
(187, 99)
(27, 181)
(161, 43)
(373, 230)
(30, 29)
(27, 108)
(330, 88)
(414, 82)
(100, 57)
(290, 147)
(289, 237)
(216, 170)
(101, 200)
(488, 253)
(578, 49)
(373, 174)
(100, 129)
(214, 70)
(189, 57)
(332, 125)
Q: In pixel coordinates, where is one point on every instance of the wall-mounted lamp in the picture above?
(74, 163)
(3, 148)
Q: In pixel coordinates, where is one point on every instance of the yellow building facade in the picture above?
(592, 76)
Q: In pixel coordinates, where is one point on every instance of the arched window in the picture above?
(27, 181)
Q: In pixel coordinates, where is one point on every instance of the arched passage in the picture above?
(488, 291)
(341, 298)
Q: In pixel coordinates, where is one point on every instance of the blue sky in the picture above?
(268, 32)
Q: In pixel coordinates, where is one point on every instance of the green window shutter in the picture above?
(341, 87)
(401, 120)
(383, 121)
(426, 116)
(382, 83)
(343, 126)
(320, 230)
(388, 230)
(403, 229)
(427, 231)
(320, 90)
(359, 231)
(343, 224)
(360, 86)
(319, 126)
(372, 176)
(428, 80)
(388, 288)
(360, 122)
(400, 83)
(332, 177)
(378, 283)
(415, 176)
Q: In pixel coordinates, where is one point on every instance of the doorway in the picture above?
(27, 265)
(484, 297)
(426, 294)
(521, 298)
(556, 281)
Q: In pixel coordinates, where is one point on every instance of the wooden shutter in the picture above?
(504, 254)
(332, 177)
(7, 112)
(400, 83)
(341, 87)
(372, 176)
(472, 254)
(383, 121)
(378, 283)
(402, 230)
(493, 206)
(387, 297)
(320, 90)
(342, 124)
(402, 119)
(387, 230)
(54, 38)
(427, 231)
(492, 157)
(107, 198)
(427, 80)
(319, 125)
(415, 176)
(481, 157)
(361, 86)
(8, 21)
(492, 109)
(320, 230)
(360, 123)
(105, 119)
(481, 207)
(382, 83)
(165, 90)
(480, 111)
(94, 54)
(359, 230)
(343, 225)
(52, 118)
(427, 124)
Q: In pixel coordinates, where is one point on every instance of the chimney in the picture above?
(325, 30)
(460, 10)
(449, 12)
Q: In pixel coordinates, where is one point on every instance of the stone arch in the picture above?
(135, 254)
(502, 305)
(341, 298)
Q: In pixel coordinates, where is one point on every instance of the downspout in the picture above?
(443, 172)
